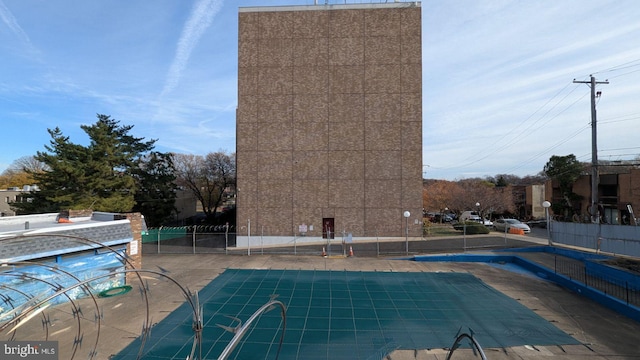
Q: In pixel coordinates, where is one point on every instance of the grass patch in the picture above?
(432, 229)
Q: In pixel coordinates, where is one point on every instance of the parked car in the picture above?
(506, 224)
(538, 223)
(445, 218)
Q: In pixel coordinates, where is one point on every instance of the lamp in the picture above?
(406, 215)
(546, 205)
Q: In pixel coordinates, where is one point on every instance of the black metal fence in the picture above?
(625, 288)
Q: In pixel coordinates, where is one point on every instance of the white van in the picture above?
(475, 217)
(470, 216)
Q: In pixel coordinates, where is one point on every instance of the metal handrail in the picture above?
(241, 329)
(475, 344)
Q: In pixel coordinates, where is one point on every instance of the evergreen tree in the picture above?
(565, 170)
(156, 194)
(62, 184)
(114, 157)
(103, 176)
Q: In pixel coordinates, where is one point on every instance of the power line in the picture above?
(621, 66)
(549, 149)
(515, 139)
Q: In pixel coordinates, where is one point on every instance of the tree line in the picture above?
(493, 194)
(117, 172)
(482, 195)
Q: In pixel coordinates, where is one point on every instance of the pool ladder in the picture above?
(241, 329)
(475, 346)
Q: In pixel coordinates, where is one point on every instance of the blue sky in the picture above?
(498, 77)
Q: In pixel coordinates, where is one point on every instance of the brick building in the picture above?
(617, 193)
(329, 120)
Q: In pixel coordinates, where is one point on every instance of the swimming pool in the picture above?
(348, 315)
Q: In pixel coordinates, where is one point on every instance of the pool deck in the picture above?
(605, 334)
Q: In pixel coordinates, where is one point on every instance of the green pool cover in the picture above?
(348, 315)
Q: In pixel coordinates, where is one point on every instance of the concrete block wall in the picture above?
(329, 120)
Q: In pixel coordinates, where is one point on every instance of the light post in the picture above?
(546, 205)
(406, 215)
(478, 208)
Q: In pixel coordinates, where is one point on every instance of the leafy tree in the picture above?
(491, 199)
(464, 194)
(156, 194)
(438, 195)
(17, 174)
(501, 182)
(208, 177)
(565, 170)
(100, 176)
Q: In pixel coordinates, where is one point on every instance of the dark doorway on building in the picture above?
(328, 228)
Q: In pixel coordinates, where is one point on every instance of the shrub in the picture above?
(472, 227)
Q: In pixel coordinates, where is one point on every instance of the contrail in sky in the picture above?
(11, 22)
(199, 20)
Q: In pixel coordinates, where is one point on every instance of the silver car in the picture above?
(506, 224)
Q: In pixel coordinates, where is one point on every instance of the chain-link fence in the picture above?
(188, 239)
(222, 240)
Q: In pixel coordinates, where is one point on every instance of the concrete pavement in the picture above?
(604, 333)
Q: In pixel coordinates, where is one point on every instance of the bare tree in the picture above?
(208, 177)
(465, 194)
(437, 195)
(28, 164)
(21, 171)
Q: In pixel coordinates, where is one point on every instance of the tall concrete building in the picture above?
(329, 120)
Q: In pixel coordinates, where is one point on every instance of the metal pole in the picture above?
(406, 234)
(464, 236)
(193, 239)
(594, 154)
(594, 148)
(226, 239)
(377, 243)
(406, 215)
(249, 237)
(546, 209)
(344, 251)
(159, 229)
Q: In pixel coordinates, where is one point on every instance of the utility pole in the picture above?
(594, 147)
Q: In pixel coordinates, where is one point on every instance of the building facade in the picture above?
(13, 194)
(618, 197)
(329, 120)
(535, 197)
